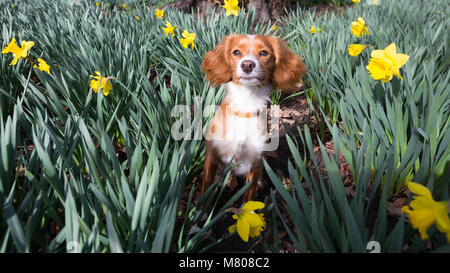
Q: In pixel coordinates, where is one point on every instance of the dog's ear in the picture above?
(288, 66)
(215, 64)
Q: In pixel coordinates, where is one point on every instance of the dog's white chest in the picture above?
(244, 138)
(246, 131)
(243, 142)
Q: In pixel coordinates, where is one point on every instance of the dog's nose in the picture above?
(247, 66)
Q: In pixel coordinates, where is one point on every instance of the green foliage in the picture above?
(389, 133)
(394, 115)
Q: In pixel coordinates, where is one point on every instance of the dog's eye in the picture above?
(263, 53)
(236, 52)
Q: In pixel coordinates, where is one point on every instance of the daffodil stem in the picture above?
(31, 61)
(215, 241)
(26, 84)
(254, 244)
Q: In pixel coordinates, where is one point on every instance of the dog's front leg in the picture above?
(210, 168)
(253, 177)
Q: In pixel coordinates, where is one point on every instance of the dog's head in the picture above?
(253, 60)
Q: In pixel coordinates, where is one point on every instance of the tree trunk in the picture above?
(261, 9)
(264, 9)
(206, 6)
(184, 5)
(278, 7)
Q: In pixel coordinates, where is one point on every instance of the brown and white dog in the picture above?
(250, 66)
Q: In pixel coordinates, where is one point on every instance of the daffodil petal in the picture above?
(252, 205)
(419, 189)
(12, 47)
(356, 29)
(14, 61)
(43, 66)
(421, 220)
(253, 220)
(355, 49)
(391, 50)
(26, 45)
(377, 54)
(396, 72)
(442, 218)
(243, 229)
(232, 228)
(107, 88)
(401, 59)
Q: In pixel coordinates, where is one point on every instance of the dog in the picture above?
(250, 66)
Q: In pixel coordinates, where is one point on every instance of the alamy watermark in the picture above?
(373, 247)
(73, 247)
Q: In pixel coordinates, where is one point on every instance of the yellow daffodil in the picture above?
(313, 30)
(169, 29)
(425, 211)
(355, 49)
(98, 4)
(275, 27)
(137, 18)
(359, 27)
(356, 1)
(18, 52)
(124, 6)
(159, 13)
(249, 223)
(188, 38)
(374, 2)
(385, 63)
(43, 66)
(101, 82)
(231, 7)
